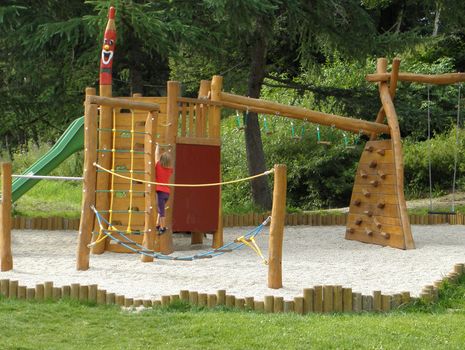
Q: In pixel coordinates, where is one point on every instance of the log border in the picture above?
(319, 299)
(249, 219)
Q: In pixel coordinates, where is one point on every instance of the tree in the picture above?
(274, 36)
(50, 52)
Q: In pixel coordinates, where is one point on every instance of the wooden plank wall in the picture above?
(252, 219)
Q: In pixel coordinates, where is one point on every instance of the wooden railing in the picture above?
(197, 123)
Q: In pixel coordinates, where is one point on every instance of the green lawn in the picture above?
(68, 325)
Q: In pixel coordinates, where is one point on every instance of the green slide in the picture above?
(70, 142)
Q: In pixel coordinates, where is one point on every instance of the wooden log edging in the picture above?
(250, 219)
(319, 299)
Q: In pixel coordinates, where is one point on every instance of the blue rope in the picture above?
(129, 244)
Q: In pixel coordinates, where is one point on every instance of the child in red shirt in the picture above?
(163, 172)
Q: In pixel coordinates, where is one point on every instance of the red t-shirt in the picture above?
(163, 175)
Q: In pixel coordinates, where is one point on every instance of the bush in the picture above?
(442, 149)
(319, 176)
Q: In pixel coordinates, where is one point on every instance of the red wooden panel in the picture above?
(196, 209)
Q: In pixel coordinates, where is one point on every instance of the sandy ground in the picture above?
(312, 256)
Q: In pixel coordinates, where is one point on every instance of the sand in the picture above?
(312, 256)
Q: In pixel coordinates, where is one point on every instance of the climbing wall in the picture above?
(123, 143)
(375, 208)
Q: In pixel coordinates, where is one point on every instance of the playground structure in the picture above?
(120, 135)
(190, 127)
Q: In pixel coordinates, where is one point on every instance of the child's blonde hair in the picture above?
(165, 160)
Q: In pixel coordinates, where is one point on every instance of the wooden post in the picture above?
(203, 299)
(249, 303)
(318, 299)
(30, 293)
(308, 300)
(92, 295)
(39, 293)
(299, 305)
(388, 106)
(392, 90)
(105, 121)
(347, 299)
(338, 299)
(184, 296)
(221, 296)
(278, 305)
(172, 111)
(150, 193)
(269, 303)
(6, 258)
(193, 298)
(48, 290)
(89, 183)
(13, 289)
(4, 287)
(278, 213)
(328, 299)
(215, 132)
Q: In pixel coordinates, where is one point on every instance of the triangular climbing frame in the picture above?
(377, 211)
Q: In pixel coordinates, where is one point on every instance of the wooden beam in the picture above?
(88, 186)
(150, 193)
(198, 141)
(105, 141)
(392, 90)
(278, 213)
(339, 122)
(165, 241)
(393, 123)
(437, 79)
(123, 103)
(215, 131)
(6, 258)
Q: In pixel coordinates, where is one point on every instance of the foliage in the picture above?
(316, 55)
(441, 151)
(319, 176)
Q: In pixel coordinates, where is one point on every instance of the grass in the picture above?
(71, 325)
(51, 198)
(63, 199)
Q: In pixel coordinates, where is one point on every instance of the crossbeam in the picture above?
(437, 79)
(123, 103)
(274, 108)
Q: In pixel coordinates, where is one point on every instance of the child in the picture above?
(163, 172)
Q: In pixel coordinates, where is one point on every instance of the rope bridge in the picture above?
(246, 240)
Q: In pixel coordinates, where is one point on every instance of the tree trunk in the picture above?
(137, 82)
(261, 193)
(437, 17)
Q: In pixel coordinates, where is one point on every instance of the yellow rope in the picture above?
(187, 185)
(113, 164)
(128, 229)
(101, 237)
(250, 242)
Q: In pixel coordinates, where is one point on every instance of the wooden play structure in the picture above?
(190, 129)
(119, 192)
(120, 153)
